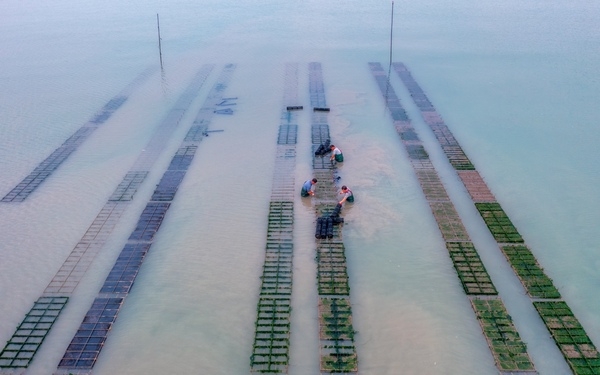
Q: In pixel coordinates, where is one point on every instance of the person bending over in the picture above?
(347, 195)
(336, 154)
(308, 188)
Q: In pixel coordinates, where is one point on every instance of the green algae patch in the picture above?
(338, 354)
(471, 271)
(498, 223)
(570, 337)
(509, 351)
(532, 276)
(332, 276)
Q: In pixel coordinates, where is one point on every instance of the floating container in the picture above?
(319, 226)
(329, 227)
(323, 148)
(324, 227)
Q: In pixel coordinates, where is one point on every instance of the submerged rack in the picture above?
(270, 350)
(45, 169)
(102, 315)
(63, 284)
(476, 282)
(336, 332)
(578, 350)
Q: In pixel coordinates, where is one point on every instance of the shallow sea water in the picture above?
(516, 82)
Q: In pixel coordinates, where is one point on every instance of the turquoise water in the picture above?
(515, 81)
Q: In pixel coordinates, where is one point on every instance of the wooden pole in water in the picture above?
(159, 46)
(390, 65)
(391, 33)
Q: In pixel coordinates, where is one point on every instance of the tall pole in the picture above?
(159, 46)
(390, 65)
(391, 33)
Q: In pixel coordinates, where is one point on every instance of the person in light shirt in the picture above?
(347, 195)
(336, 154)
(308, 188)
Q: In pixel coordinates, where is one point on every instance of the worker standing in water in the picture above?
(308, 188)
(347, 195)
(336, 154)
